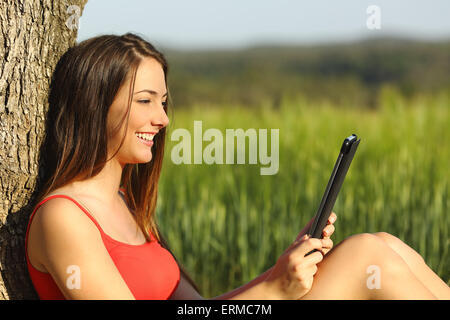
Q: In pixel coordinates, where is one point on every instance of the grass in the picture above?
(227, 223)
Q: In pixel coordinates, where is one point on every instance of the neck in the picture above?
(105, 185)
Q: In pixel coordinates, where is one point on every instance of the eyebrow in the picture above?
(152, 92)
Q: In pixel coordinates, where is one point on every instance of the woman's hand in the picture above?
(292, 275)
(327, 232)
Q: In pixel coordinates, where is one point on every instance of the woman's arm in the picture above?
(297, 278)
(260, 287)
(65, 237)
(257, 289)
(254, 290)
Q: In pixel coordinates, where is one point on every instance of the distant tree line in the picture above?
(344, 74)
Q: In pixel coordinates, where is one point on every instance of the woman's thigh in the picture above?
(341, 273)
(351, 268)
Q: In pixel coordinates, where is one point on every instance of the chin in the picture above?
(147, 159)
(142, 158)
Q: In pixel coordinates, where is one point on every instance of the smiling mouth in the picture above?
(145, 136)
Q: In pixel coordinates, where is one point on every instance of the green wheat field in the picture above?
(227, 223)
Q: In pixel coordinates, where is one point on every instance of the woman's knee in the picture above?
(363, 241)
(369, 249)
(391, 240)
(398, 245)
(387, 237)
(361, 247)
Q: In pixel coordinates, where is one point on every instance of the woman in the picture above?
(93, 233)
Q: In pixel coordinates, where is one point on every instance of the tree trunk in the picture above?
(34, 34)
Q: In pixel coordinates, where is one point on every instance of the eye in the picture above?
(145, 101)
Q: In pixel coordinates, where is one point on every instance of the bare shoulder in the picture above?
(57, 216)
(63, 237)
(58, 220)
(48, 222)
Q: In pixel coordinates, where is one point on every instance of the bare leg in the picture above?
(417, 266)
(342, 274)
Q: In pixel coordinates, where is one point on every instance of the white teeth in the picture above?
(145, 136)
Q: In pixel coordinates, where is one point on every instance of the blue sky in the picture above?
(200, 24)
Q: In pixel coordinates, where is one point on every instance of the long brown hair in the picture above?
(83, 87)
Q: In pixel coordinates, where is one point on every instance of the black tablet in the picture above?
(343, 161)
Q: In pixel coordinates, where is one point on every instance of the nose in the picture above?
(161, 120)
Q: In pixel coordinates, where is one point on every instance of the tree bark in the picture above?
(34, 34)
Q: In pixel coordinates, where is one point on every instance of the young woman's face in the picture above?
(147, 115)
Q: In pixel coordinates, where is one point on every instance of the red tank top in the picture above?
(149, 270)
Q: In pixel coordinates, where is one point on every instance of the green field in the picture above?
(228, 223)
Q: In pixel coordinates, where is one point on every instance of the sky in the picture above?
(214, 24)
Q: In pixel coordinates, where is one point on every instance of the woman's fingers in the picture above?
(293, 274)
(314, 258)
(308, 245)
(328, 230)
(305, 245)
(332, 219)
(327, 243)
